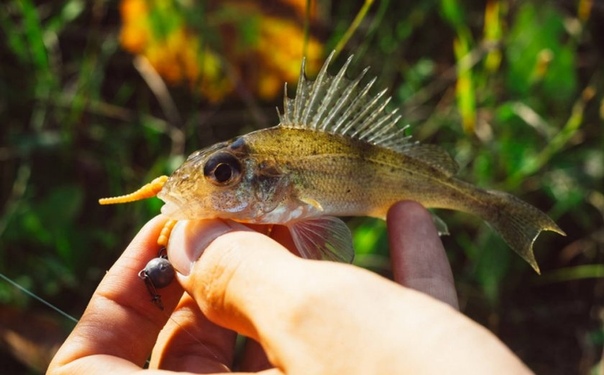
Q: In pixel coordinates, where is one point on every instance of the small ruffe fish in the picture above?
(337, 151)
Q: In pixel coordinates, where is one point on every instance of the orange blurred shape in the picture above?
(30, 337)
(217, 46)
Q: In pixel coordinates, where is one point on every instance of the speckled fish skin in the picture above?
(336, 152)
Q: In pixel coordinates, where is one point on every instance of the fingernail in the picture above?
(189, 239)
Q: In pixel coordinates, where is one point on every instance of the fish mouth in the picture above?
(173, 211)
(183, 208)
(173, 207)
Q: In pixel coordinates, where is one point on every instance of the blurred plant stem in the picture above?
(353, 27)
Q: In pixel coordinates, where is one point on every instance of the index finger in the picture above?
(419, 260)
(120, 324)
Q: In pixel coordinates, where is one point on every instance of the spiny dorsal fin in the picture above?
(338, 105)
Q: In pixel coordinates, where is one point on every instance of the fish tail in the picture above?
(518, 223)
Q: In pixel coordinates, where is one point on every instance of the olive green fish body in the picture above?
(336, 152)
(347, 177)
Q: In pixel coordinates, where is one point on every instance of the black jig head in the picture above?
(157, 274)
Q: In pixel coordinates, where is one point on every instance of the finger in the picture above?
(190, 342)
(120, 324)
(320, 317)
(307, 315)
(254, 358)
(247, 282)
(189, 239)
(419, 260)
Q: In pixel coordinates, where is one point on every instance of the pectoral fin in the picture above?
(326, 238)
(313, 203)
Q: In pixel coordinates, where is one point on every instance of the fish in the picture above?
(338, 151)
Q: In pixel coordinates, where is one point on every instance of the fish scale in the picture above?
(338, 151)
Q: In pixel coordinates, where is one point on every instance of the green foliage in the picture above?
(513, 89)
(518, 105)
(538, 57)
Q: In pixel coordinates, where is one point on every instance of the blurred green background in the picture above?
(97, 98)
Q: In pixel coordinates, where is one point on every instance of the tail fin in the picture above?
(519, 224)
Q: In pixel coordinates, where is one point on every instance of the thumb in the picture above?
(234, 273)
(297, 309)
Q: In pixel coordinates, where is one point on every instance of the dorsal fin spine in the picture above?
(369, 122)
(319, 87)
(352, 127)
(358, 101)
(301, 91)
(390, 140)
(376, 137)
(344, 121)
(338, 105)
(317, 122)
(349, 90)
(288, 107)
(397, 134)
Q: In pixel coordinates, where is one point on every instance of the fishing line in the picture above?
(191, 335)
(37, 298)
(74, 320)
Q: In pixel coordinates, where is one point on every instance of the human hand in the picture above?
(309, 316)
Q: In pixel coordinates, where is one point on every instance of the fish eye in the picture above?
(222, 168)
